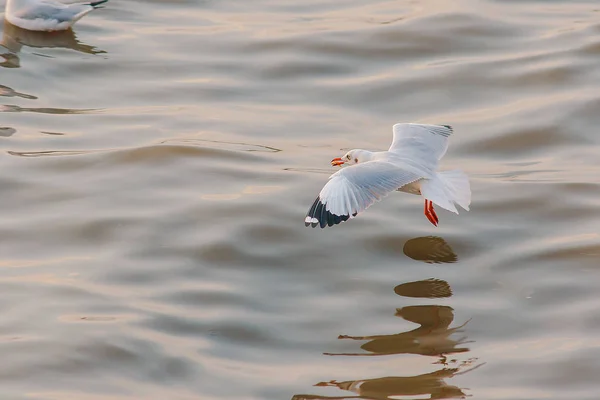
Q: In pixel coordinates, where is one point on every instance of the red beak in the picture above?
(336, 162)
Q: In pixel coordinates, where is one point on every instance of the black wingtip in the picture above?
(449, 127)
(97, 3)
(318, 215)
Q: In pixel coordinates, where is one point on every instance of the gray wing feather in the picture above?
(427, 143)
(51, 10)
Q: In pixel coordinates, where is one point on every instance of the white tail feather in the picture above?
(447, 189)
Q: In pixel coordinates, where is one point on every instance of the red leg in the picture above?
(430, 213)
(426, 212)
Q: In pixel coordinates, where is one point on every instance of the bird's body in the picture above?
(410, 165)
(47, 15)
(412, 188)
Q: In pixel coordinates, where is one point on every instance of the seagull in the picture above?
(47, 15)
(409, 165)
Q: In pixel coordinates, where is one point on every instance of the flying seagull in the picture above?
(410, 165)
(47, 15)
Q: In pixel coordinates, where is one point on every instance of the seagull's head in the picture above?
(352, 157)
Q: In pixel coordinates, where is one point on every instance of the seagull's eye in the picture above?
(356, 160)
(348, 156)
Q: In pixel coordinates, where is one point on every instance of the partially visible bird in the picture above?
(410, 165)
(47, 15)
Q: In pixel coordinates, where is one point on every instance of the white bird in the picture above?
(47, 15)
(410, 165)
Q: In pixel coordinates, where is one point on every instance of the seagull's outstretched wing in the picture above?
(423, 142)
(353, 189)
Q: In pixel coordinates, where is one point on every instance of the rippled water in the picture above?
(157, 164)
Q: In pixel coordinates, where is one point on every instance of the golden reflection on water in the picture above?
(434, 337)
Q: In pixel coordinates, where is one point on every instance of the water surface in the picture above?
(157, 162)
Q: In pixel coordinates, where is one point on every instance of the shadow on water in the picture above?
(14, 38)
(434, 338)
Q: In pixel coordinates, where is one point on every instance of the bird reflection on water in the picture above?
(14, 38)
(430, 249)
(386, 388)
(434, 337)
(431, 338)
(427, 289)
